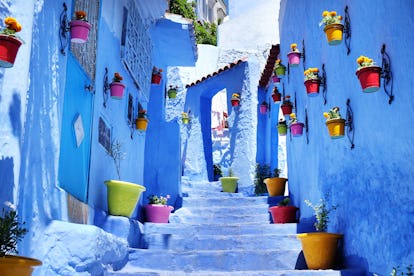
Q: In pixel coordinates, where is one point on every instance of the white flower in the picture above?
(10, 205)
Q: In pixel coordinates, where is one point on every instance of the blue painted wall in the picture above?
(371, 184)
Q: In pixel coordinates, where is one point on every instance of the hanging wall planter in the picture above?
(296, 128)
(312, 81)
(9, 42)
(333, 27)
(282, 127)
(116, 87)
(286, 106)
(263, 107)
(122, 197)
(294, 55)
(368, 74)
(142, 121)
(156, 75)
(280, 69)
(79, 28)
(235, 99)
(335, 124)
(276, 95)
(185, 118)
(172, 92)
(275, 79)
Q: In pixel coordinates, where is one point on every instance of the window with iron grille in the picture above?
(136, 48)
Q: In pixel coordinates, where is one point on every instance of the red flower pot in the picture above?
(9, 46)
(79, 31)
(312, 87)
(156, 78)
(277, 97)
(235, 102)
(158, 213)
(296, 129)
(294, 59)
(286, 109)
(283, 214)
(369, 77)
(117, 90)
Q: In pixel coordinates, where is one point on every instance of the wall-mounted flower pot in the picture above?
(156, 78)
(312, 87)
(185, 121)
(9, 46)
(79, 31)
(369, 77)
(276, 97)
(280, 70)
(334, 33)
(172, 93)
(117, 90)
(294, 58)
(275, 79)
(235, 102)
(157, 213)
(336, 128)
(286, 109)
(319, 249)
(296, 129)
(282, 129)
(229, 183)
(17, 265)
(275, 185)
(141, 123)
(283, 214)
(263, 108)
(122, 197)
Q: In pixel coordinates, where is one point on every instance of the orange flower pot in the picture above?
(334, 33)
(141, 123)
(336, 128)
(275, 185)
(17, 265)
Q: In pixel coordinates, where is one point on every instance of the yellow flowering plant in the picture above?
(80, 15)
(332, 114)
(184, 115)
(235, 96)
(311, 74)
(12, 26)
(330, 17)
(364, 61)
(293, 118)
(117, 77)
(294, 47)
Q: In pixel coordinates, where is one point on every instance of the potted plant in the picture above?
(79, 28)
(397, 272)
(11, 232)
(122, 196)
(275, 185)
(172, 92)
(116, 87)
(229, 182)
(286, 106)
(275, 79)
(294, 55)
(283, 212)
(312, 81)
(157, 209)
(368, 74)
(334, 122)
(235, 99)
(276, 96)
(263, 107)
(282, 127)
(185, 118)
(262, 172)
(320, 248)
(296, 128)
(142, 121)
(9, 42)
(217, 172)
(156, 75)
(280, 69)
(333, 27)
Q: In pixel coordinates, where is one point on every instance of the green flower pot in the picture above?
(282, 130)
(122, 197)
(172, 93)
(229, 183)
(280, 71)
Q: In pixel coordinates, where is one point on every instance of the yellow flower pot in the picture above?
(17, 265)
(336, 128)
(141, 123)
(319, 249)
(122, 197)
(229, 183)
(334, 33)
(275, 186)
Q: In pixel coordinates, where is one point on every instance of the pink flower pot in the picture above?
(263, 108)
(294, 59)
(275, 79)
(296, 129)
(312, 87)
(9, 46)
(79, 31)
(369, 77)
(117, 90)
(158, 213)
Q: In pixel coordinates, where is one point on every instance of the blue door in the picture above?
(75, 140)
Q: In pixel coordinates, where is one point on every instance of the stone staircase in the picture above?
(217, 233)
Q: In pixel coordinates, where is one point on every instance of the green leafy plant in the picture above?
(284, 202)
(322, 214)
(11, 231)
(396, 271)
(159, 200)
(217, 170)
(230, 172)
(332, 114)
(276, 172)
(330, 18)
(115, 152)
(262, 172)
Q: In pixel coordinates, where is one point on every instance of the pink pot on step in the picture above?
(158, 213)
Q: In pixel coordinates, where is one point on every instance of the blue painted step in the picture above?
(149, 272)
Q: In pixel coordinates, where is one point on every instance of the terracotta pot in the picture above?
(156, 78)
(229, 183)
(319, 249)
(275, 185)
(336, 128)
(17, 265)
(79, 31)
(369, 77)
(141, 123)
(286, 109)
(158, 213)
(9, 46)
(312, 87)
(283, 214)
(296, 129)
(122, 197)
(294, 59)
(117, 90)
(334, 33)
